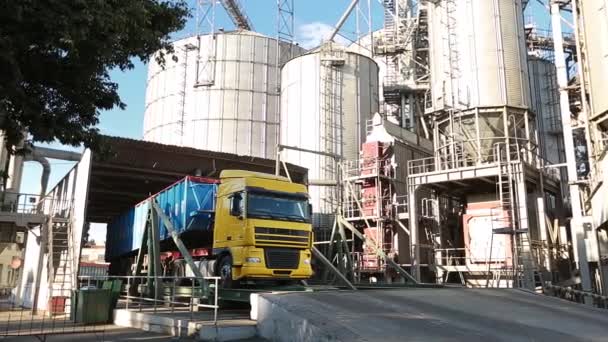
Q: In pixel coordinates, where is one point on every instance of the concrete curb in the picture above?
(182, 327)
(277, 322)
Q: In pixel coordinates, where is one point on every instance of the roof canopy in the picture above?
(136, 169)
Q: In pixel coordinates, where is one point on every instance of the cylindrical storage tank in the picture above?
(220, 95)
(595, 20)
(479, 78)
(545, 103)
(478, 54)
(327, 96)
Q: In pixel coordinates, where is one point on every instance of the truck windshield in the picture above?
(277, 207)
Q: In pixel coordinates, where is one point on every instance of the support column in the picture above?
(576, 224)
(414, 238)
(39, 269)
(542, 224)
(523, 250)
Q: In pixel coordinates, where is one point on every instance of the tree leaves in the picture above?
(55, 56)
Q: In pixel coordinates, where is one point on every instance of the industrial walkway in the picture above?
(448, 314)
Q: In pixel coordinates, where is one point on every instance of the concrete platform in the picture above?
(422, 314)
(231, 326)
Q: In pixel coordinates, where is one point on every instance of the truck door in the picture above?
(236, 219)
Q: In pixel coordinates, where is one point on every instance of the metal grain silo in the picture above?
(479, 75)
(327, 96)
(220, 94)
(595, 20)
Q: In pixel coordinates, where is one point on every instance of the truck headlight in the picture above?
(253, 260)
(307, 261)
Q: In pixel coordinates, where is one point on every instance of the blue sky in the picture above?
(313, 20)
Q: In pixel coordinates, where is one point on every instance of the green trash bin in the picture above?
(93, 306)
(115, 286)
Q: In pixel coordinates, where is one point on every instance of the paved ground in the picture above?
(113, 335)
(448, 314)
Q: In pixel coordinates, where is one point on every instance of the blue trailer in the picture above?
(190, 205)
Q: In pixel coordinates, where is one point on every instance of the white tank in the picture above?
(238, 113)
(595, 19)
(325, 108)
(545, 103)
(477, 54)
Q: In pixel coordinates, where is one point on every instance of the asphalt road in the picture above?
(447, 314)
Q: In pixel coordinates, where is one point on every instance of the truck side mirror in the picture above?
(235, 206)
(310, 212)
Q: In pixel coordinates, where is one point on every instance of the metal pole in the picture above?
(180, 245)
(576, 224)
(128, 293)
(215, 295)
(342, 20)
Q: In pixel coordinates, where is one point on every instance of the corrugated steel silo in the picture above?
(326, 97)
(479, 74)
(595, 17)
(478, 54)
(238, 113)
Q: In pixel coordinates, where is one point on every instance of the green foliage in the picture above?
(55, 58)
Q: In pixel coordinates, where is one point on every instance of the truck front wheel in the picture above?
(224, 271)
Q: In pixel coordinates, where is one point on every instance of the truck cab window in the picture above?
(236, 204)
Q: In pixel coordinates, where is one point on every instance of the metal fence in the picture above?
(182, 294)
(577, 296)
(60, 313)
(55, 316)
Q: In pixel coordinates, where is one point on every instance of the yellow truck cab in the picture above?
(262, 228)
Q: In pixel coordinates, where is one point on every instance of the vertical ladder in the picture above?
(61, 267)
(453, 56)
(331, 118)
(531, 275)
(181, 91)
(507, 219)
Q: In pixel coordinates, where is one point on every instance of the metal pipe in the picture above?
(578, 233)
(52, 153)
(46, 173)
(342, 20)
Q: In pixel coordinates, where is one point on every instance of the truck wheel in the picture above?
(224, 271)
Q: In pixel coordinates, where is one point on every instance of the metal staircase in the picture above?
(61, 263)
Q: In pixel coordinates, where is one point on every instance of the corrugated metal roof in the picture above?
(135, 169)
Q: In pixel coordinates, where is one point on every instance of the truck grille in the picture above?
(285, 258)
(282, 236)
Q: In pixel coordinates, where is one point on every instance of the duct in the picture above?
(46, 173)
(52, 153)
(42, 156)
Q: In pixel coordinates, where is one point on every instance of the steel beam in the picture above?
(332, 268)
(180, 246)
(342, 20)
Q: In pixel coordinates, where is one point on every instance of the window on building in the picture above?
(101, 258)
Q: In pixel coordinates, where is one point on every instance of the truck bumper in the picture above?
(252, 269)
